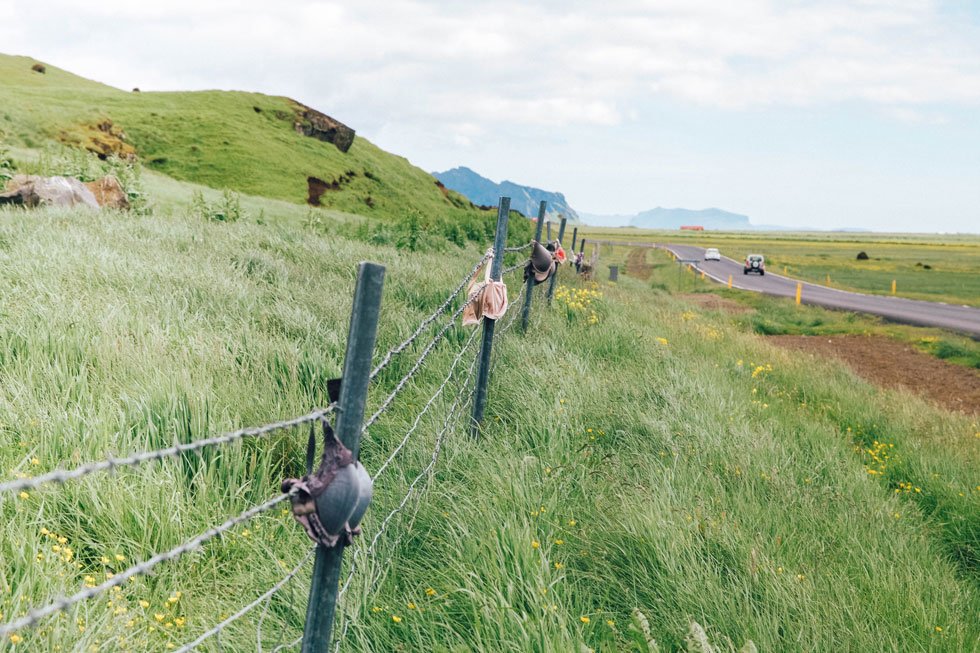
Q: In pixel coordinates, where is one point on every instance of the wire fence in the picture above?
(459, 381)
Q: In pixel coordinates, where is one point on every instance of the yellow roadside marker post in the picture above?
(799, 292)
(729, 281)
(894, 285)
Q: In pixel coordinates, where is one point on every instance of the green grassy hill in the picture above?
(223, 139)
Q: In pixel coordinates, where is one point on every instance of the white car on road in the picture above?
(712, 254)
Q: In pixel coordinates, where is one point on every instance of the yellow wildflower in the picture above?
(584, 619)
(396, 618)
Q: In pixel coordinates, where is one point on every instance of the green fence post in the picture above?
(526, 315)
(350, 416)
(551, 284)
(483, 373)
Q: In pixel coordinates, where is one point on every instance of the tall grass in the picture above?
(634, 462)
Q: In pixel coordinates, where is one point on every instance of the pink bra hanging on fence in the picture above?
(488, 298)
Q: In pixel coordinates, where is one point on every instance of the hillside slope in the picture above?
(224, 139)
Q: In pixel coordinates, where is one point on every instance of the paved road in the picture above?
(965, 319)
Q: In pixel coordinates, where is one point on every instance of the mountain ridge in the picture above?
(485, 192)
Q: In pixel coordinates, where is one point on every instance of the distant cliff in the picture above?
(483, 191)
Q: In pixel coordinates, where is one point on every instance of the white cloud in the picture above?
(427, 78)
(513, 62)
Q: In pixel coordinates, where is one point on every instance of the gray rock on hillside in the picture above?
(32, 190)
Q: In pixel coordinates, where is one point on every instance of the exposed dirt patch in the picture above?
(896, 364)
(316, 187)
(716, 303)
(104, 139)
(636, 263)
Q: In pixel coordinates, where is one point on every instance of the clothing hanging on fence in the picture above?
(557, 251)
(541, 265)
(487, 298)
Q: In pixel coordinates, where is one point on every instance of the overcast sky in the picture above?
(828, 114)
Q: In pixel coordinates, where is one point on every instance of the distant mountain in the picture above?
(483, 191)
(661, 218)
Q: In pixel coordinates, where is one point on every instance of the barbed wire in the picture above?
(62, 476)
(425, 409)
(429, 320)
(518, 266)
(418, 364)
(190, 646)
(287, 645)
(453, 410)
(366, 553)
(514, 303)
(63, 603)
(518, 248)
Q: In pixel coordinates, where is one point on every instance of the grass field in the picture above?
(952, 275)
(779, 316)
(639, 455)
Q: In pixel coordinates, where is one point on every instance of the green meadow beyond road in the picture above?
(965, 319)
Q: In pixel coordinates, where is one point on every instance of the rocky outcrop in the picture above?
(320, 126)
(109, 193)
(106, 139)
(31, 191)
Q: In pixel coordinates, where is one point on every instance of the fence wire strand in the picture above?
(190, 646)
(517, 266)
(418, 364)
(425, 409)
(64, 602)
(62, 476)
(429, 320)
(440, 438)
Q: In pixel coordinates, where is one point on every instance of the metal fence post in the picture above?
(526, 315)
(548, 226)
(483, 373)
(582, 249)
(350, 415)
(551, 284)
(574, 238)
(614, 273)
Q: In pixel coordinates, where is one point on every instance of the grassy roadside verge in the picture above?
(932, 267)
